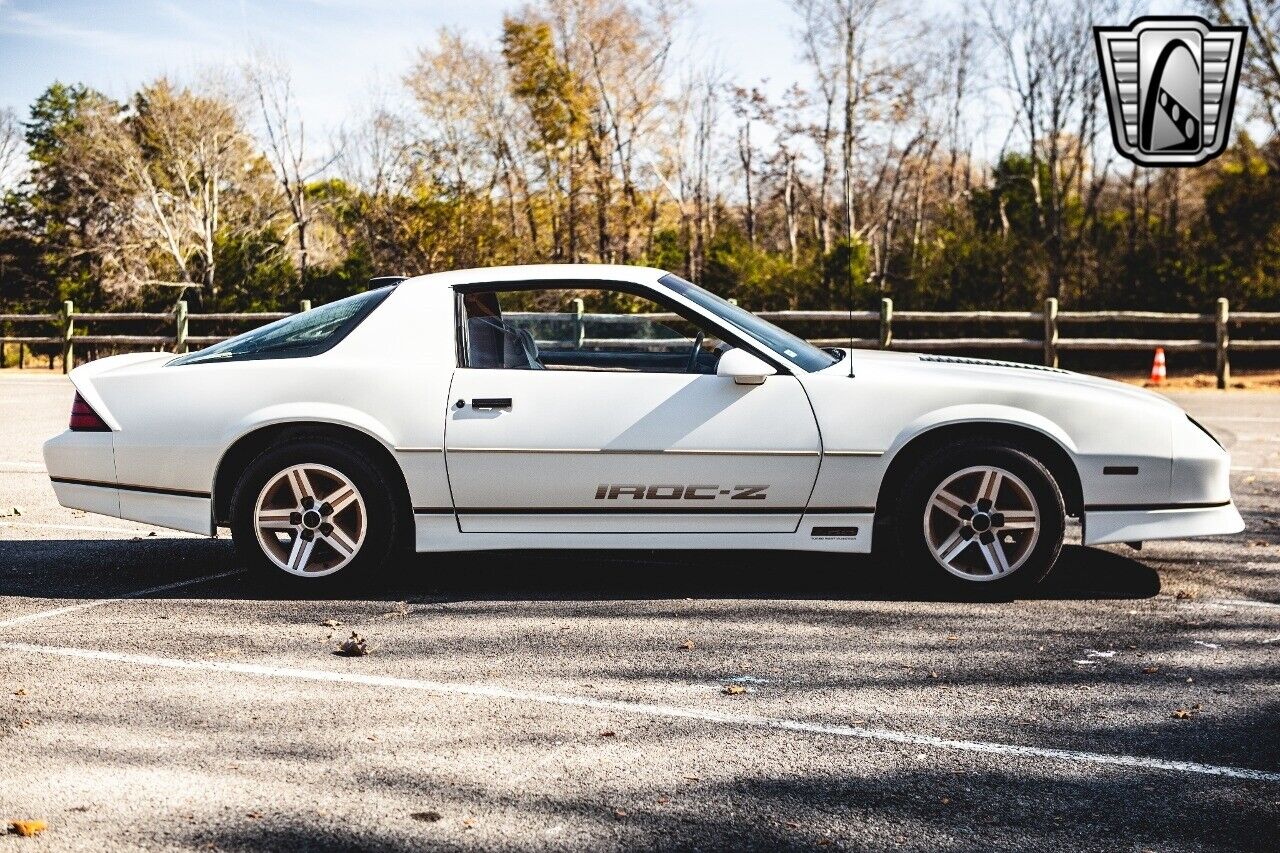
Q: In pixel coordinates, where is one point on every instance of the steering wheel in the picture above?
(692, 366)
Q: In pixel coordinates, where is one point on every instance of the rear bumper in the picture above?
(1139, 524)
(82, 469)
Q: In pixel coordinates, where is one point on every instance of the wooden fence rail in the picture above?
(1050, 319)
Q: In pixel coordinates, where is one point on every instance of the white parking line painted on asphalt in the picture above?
(13, 466)
(132, 531)
(1251, 470)
(99, 602)
(491, 691)
(1236, 602)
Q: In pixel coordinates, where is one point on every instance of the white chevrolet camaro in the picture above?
(620, 407)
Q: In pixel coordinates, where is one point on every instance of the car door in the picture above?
(598, 428)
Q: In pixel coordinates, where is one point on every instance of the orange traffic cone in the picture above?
(1158, 374)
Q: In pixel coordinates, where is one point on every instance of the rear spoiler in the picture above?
(386, 280)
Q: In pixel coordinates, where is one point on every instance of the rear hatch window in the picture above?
(309, 333)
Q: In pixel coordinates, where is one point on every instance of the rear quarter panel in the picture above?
(389, 378)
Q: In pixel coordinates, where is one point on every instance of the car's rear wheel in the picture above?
(981, 515)
(312, 511)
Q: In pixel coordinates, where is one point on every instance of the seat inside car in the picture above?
(493, 342)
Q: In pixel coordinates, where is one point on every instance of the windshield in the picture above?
(309, 333)
(795, 350)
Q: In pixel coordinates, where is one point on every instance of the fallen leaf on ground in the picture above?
(469, 822)
(21, 691)
(1151, 670)
(608, 734)
(332, 623)
(662, 801)
(1181, 714)
(733, 689)
(354, 647)
(27, 828)
(793, 824)
(620, 812)
(953, 639)
(426, 817)
(687, 645)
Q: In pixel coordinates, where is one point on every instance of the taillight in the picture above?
(84, 418)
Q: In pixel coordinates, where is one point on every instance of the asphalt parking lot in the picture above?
(152, 696)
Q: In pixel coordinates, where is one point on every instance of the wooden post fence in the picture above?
(579, 325)
(1051, 332)
(180, 327)
(68, 329)
(1222, 342)
(62, 334)
(886, 323)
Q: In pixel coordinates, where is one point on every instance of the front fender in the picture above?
(979, 413)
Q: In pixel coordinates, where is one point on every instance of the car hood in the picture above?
(945, 368)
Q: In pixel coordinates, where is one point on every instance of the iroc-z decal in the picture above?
(639, 492)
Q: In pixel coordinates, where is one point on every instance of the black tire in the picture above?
(907, 535)
(382, 521)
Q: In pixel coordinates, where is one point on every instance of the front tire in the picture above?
(314, 512)
(979, 515)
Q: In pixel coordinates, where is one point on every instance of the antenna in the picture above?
(848, 270)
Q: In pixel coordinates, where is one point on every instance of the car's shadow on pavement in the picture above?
(87, 569)
(1082, 573)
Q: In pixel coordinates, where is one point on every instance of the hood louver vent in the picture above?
(986, 362)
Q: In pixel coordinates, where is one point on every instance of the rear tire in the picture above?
(314, 513)
(980, 516)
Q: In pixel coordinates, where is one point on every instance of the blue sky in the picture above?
(339, 50)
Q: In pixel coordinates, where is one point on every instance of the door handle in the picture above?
(491, 403)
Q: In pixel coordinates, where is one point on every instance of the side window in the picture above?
(560, 328)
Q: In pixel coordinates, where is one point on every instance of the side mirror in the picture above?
(744, 367)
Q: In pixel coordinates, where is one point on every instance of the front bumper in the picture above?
(1139, 524)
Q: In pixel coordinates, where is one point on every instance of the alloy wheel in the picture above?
(981, 523)
(310, 520)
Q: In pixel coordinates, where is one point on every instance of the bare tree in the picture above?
(1261, 69)
(1051, 69)
(749, 106)
(179, 172)
(284, 132)
(12, 149)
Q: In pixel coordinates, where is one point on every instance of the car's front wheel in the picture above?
(981, 514)
(313, 509)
